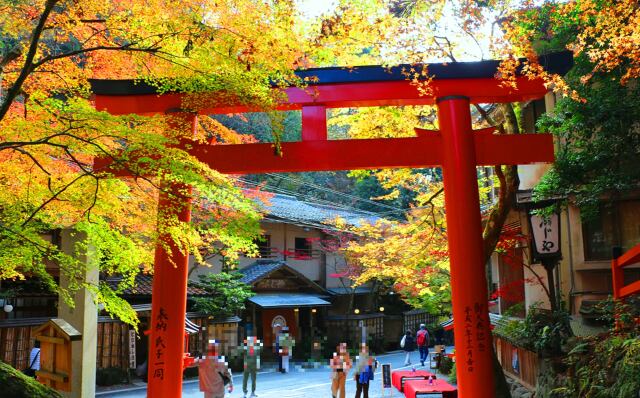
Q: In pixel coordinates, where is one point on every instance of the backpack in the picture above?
(422, 338)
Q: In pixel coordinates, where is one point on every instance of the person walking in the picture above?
(408, 345)
(213, 373)
(34, 360)
(364, 371)
(422, 340)
(277, 331)
(251, 359)
(286, 344)
(340, 365)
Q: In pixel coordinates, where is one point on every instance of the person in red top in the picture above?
(213, 373)
(422, 340)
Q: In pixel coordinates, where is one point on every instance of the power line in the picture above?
(321, 188)
(306, 196)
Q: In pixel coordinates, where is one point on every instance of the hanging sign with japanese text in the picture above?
(546, 235)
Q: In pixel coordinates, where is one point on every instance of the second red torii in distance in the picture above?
(455, 147)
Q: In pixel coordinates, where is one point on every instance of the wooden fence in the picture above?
(113, 344)
(526, 362)
(411, 320)
(226, 332)
(17, 340)
(347, 329)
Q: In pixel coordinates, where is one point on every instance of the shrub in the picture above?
(541, 331)
(446, 364)
(453, 375)
(602, 366)
(16, 384)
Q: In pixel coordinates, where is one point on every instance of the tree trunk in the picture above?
(509, 183)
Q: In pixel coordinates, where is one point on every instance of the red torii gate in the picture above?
(455, 147)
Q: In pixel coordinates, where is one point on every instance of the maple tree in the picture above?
(597, 137)
(50, 133)
(603, 33)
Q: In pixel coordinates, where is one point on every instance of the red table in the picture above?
(399, 377)
(420, 388)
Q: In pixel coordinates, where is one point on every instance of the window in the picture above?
(617, 225)
(303, 248)
(264, 246)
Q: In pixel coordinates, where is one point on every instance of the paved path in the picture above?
(298, 383)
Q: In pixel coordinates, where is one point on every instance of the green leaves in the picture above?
(225, 294)
(598, 143)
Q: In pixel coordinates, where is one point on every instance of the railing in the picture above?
(518, 363)
(304, 254)
(268, 252)
(618, 263)
(292, 254)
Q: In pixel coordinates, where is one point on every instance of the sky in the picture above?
(313, 8)
(469, 50)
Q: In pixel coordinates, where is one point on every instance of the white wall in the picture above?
(534, 293)
(283, 239)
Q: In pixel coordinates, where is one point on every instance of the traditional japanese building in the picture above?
(303, 285)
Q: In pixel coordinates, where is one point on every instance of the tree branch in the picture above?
(52, 198)
(16, 87)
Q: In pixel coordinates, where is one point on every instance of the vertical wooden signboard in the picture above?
(386, 380)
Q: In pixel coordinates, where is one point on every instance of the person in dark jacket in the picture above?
(408, 346)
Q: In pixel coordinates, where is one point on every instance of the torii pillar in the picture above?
(169, 289)
(464, 230)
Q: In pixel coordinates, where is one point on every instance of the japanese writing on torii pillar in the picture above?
(468, 326)
(159, 335)
(480, 312)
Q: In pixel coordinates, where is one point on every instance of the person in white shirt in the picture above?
(34, 360)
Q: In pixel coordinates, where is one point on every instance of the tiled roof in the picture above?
(143, 287)
(286, 300)
(287, 207)
(494, 319)
(260, 269)
(348, 290)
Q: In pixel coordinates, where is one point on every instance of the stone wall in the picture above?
(518, 390)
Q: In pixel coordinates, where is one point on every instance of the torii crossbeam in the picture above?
(455, 147)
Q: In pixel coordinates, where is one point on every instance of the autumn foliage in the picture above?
(50, 132)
